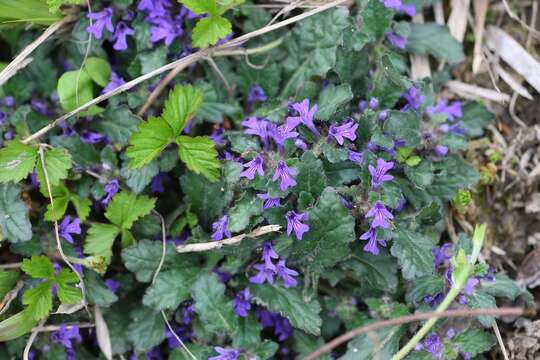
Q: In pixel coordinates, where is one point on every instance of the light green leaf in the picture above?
(61, 196)
(125, 208)
(482, 300)
(146, 144)
(200, 7)
(434, 40)
(200, 155)
(38, 267)
(209, 30)
(8, 279)
(170, 289)
(331, 99)
(58, 162)
(74, 89)
(503, 286)
(146, 330)
(99, 70)
(16, 325)
(413, 251)
(474, 341)
(82, 206)
(182, 103)
(290, 304)
(39, 300)
(213, 307)
(16, 161)
(100, 239)
(14, 221)
(54, 5)
(68, 294)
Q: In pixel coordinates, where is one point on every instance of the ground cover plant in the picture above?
(211, 179)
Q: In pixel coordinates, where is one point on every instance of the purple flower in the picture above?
(111, 188)
(468, 289)
(269, 202)
(65, 335)
(294, 222)
(166, 29)
(397, 5)
(220, 228)
(302, 115)
(8, 101)
(90, 137)
(356, 157)
(301, 144)
(102, 19)
(286, 274)
(265, 274)
(433, 301)
(269, 254)
(225, 354)
(241, 303)
(68, 227)
(285, 174)
(371, 236)
(187, 313)
(252, 167)
(395, 40)
(256, 93)
(67, 129)
(414, 99)
(362, 105)
(40, 107)
(217, 136)
(258, 128)
(120, 36)
(115, 81)
(113, 285)
(282, 326)
(34, 182)
(9, 135)
(380, 215)
(156, 186)
(281, 133)
(154, 8)
(383, 115)
(379, 175)
(441, 254)
(3, 118)
(347, 130)
(453, 128)
(452, 111)
(433, 344)
(373, 103)
(441, 150)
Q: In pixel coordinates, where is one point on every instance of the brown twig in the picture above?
(263, 230)
(408, 319)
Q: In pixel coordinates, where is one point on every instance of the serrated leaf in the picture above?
(209, 30)
(436, 40)
(474, 341)
(82, 206)
(404, 126)
(482, 300)
(100, 239)
(146, 330)
(182, 103)
(413, 251)
(99, 70)
(331, 99)
(331, 230)
(61, 196)
(311, 177)
(170, 289)
(242, 212)
(206, 198)
(376, 19)
(125, 208)
(365, 347)
(68, 294)
(423, 286)
(200, 7)
(379, 271)
(150, 140)
(213, 307)
(119, 124)
(200, 155)
(290, 304)
(39, 300)
(97, 293)
(57, 162)
(503, 286)
(14, 221)
(8, 279)
(138, 179)
(16, 161)
(38, 267)
(452, 174)
(143, 258)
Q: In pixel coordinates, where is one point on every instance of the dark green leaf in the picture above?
(311, 177)
(143, 258)
(16, 161)
(435, 40)
(474, 341)
(170, 289)
(379, 271)
(331, 99)
(423, 286)
(413, 251)
(146, 330)
(97, 293)
(14, 222)
(118, 124)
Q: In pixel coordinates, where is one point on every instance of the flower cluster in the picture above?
(268, 269)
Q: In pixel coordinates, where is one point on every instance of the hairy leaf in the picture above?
(16, 161)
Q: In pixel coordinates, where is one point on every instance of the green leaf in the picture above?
(376, 19)
(39, 300)
(248, 335)
(125, 208)
(38, 267)
(331, 99)
(290, 304)
(213, 307)
(381, 344)
(8, 279)
(182, 103)
(421, 175)
(35, 11)
(170, 288)
(379, 271)
(100, 239)
(16, 325)
(452, 174)
(474, 341)
(482, 300)
(404, 126)
(244, 209)
(423, 286)
(413, 251)
(61, 196)
(143, 258)
(138, 179)
(146, 144)
(68, 294)
(327, 240)
(503, 286)
(206, 198)
(57, 162)
(99, 70)
(14, 221)
(118, 124)
(54, 5)
(209, 30)
(16, 161)
(200, 7)
(74, 89)
(311, 177)
(146, 330)
(434, 40)
(82, 206)
(97, 293)
(200, 155)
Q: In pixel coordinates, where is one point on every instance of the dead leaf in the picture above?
(102, 334)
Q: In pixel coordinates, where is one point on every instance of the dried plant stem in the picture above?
(516, 18)
(408, 319)
(50, 328)
(499, 339)
(263, 230)
(56, 230)
(12, 68)
(10, 266)
(221, 76)
(31, 339)
(201, 54)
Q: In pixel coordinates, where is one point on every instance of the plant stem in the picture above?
(460, 279)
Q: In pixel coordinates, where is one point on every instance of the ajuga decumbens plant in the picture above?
(266, 203)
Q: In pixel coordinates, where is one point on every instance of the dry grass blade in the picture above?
(31, 339)
(102, 334)
(480, 11)
(419, 63)
(514, 55)
(475, 92)
(513, 83)
(457, 22)
(499, 339)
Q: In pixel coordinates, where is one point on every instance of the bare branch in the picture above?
(263, 230)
